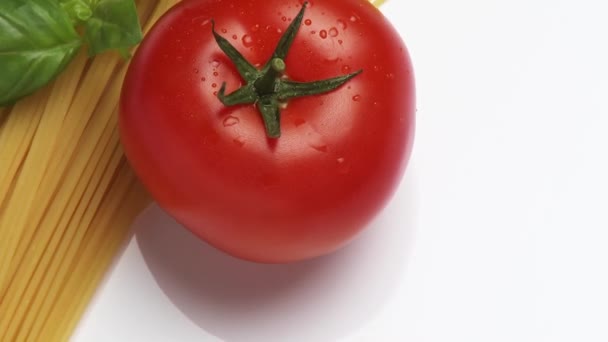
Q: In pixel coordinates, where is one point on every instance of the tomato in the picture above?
(334, 158)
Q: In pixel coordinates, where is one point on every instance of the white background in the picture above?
(499, 231)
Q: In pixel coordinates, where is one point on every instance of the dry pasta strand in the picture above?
(54, 110)
(4, 114)
(31, 193)
(60, 195)
(67, 197)
(24, 117)
(38, 187)
(59, 272)
(89, 255)
(54, 242)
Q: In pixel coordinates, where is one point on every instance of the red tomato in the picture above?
(340, 156)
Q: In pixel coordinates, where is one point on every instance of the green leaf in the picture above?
(37, 41)
(78, 10)
(114, 24)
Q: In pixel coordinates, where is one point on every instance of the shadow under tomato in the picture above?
(322, 299)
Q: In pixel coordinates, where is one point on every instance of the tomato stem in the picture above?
(267, 83)
(268, 87)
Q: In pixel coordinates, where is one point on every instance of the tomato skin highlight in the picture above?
(339, 159)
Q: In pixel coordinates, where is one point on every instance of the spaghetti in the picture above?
(64, 179)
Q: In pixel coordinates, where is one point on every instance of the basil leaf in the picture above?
(78, 10)
(114, 24)
(37, 41)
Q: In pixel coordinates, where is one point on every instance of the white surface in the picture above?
(498, 233)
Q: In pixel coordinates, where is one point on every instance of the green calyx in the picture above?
(267, 88)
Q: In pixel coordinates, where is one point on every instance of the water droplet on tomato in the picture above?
(247, 41)
(215, 73)
(333, 32)
(323, 34)
(340, 41)
(240, 141)
(215, 63)
(353, 18)
(346, 69)
(196, 71)
(279, 30)
(357, 98)
(255, 28)
(214, 85)
(390, 75)
(343, 166)
(202, 21)
(230, 121)
(224, 30)
(321, 148)
(313, 138)
(341, 24)
(284, 18)
(376, 68)
(313, 32)
(203, 79)
(307, 22)
(234, 36)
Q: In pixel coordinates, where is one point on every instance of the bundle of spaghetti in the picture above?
(67, 195)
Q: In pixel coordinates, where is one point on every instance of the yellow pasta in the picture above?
(67, 194)
(50, 124)
(64, 180)
(15, 136)
(377, 2)
(112, 241)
